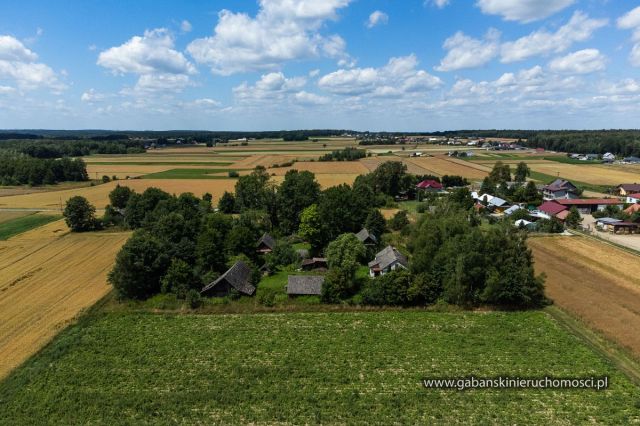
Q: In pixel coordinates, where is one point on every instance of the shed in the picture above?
(238, 277)
(315, 263)
(266, 244)
(366, 238)
(304, 285)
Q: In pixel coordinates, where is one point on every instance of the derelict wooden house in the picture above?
(238, 277)
(266, 244)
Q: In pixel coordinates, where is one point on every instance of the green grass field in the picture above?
(19, 225)
(347, 368)
(189, 174)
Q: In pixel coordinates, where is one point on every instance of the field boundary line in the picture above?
(607, 349)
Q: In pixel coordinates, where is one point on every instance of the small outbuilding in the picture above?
(266, 244)
(366, 238)
(304, 285)
(238, 278)
(315, 264)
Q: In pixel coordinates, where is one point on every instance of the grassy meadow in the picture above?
(352, 367)
(22, 224)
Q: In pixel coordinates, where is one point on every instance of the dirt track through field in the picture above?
(46, 279)
(594, 281)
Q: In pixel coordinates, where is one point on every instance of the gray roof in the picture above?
(511, 210)
(364, 234)
(267, 240)
(498, 202)
(608, 220)
(304, 284)
(238, 277)
(388, 256)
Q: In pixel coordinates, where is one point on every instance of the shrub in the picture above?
(233, 174)
(194, 300)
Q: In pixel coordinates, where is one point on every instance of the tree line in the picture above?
(21, 169)
(47, 148)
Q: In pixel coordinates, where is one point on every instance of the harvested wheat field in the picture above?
(589, 173)
(594, 281)
(45, 281)
(371, 163)
(326, 180)
(442, 165)
(324, 167)
(99, 195)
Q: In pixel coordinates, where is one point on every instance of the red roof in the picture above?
(429, 184)
(563, 214)
(634, 195)
(590, 202)
(632, 209)
(551, 208)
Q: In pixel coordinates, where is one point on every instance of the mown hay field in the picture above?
(46, 279)
(597, 282)
(310, 368)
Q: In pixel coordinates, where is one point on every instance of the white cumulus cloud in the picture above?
(523, 10)
(377, 18)
(581, 62)
(154, 59)
(631, 21)
(469, 52)
(19, 66)
(542, 42)
(283, 30)
(399, 77)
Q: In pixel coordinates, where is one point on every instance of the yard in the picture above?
(301, 368)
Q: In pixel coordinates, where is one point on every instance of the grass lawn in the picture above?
(301, 368)
(189, 174)
(567, 160)
(19, 225)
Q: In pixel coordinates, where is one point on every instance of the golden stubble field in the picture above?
(99, 195)
(594, 281)
(47, 277)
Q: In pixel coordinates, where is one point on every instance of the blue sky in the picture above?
(410, 65)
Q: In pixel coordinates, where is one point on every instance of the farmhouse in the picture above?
(560, 189)
(387, 260)
(266, 244)
(429, 185)
(590, 205)
(627, 188)
(304, 285)
(238, 278)
(551, 208)
(366, 238)
(315, 264)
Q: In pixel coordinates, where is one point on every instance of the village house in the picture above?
(605, 223)
(560, 189)
(608, 157)
(551, 209)
(237, 278)
(387, 260)
(631, 160)
(366, 238)
(627, 188)
(304, 285)
(634, 208)
(429, 185)
(266, 244)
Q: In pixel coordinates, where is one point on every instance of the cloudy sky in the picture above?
(414, 65)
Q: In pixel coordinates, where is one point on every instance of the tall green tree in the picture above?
(375, 223)
(79, 214)
(522, 172)
(298, 191)
(345, 252)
